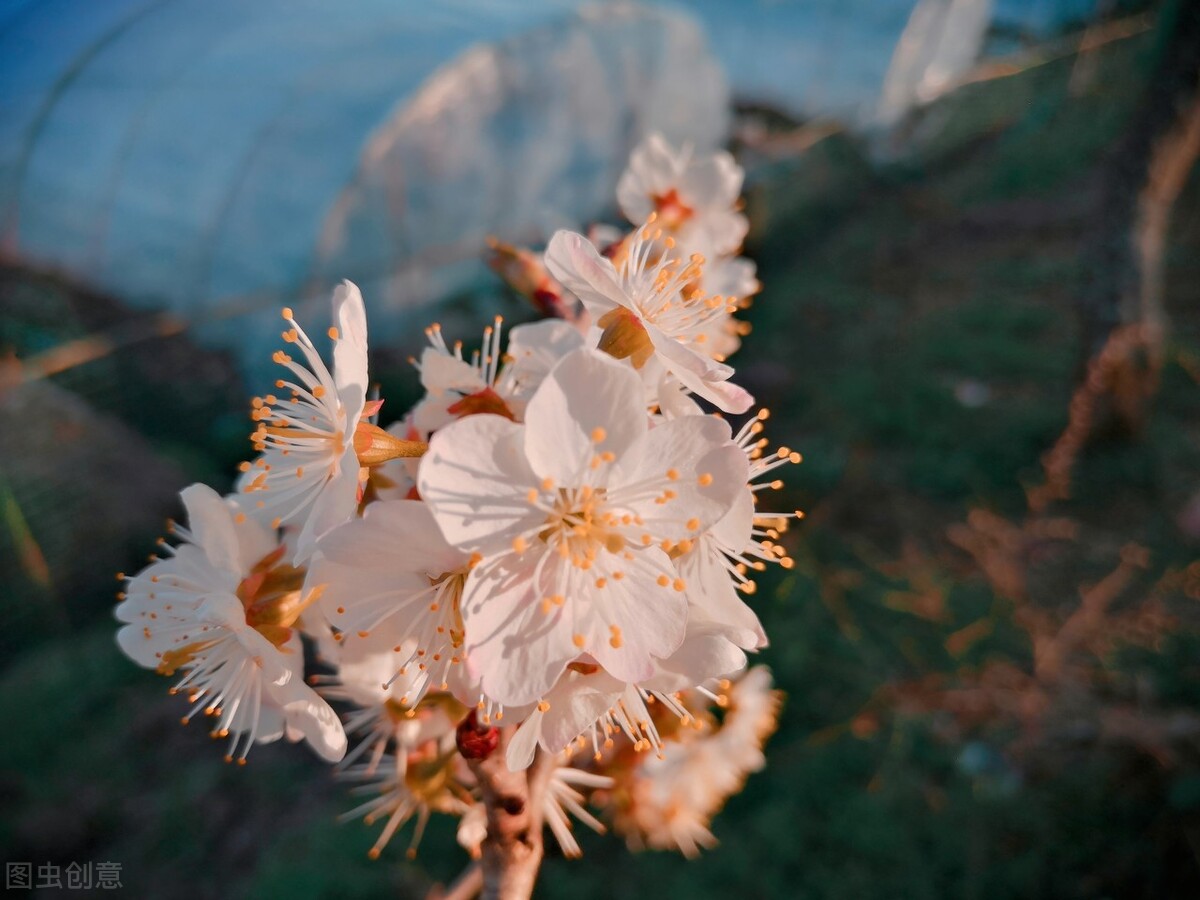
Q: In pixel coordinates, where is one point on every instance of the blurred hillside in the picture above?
(918, 340)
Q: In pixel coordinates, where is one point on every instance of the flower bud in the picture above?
(474, 741)
(375, 446)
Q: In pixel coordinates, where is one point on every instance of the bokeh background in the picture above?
(978, 227)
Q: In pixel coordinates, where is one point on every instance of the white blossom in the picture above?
(570, 518)
(669, 801)
(221, 610)
(694, 197)
(650, 311)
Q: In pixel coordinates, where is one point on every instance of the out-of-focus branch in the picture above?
(466, 887)
(1174, 157)
(1108, 375)
(1140, 182)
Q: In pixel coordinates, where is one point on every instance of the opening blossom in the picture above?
(307, 473)
(490, 381)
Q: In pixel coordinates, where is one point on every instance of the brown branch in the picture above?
(512, 850)
(1108, 373)
(1173, 159)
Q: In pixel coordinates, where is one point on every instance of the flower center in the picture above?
(273, 598)
(672, 211)
(579, 524)
(624, 337)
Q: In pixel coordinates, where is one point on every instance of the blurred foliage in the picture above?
(916, 341)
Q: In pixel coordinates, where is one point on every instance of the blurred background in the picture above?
(978, 227)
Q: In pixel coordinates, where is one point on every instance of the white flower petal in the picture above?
(400, 535)
(517, 650)
(575, 704)
(589, 395)
(336, 503)
(524, 743)
(535, 349)
(714, 599)
(350, 349)
(311, 718)
(706, 653)
(711, 474)
(650, 618)
(579, 267)
(210, 521)
(442, 374)
(652, 170)
(475, 479)
(700, 374)
(714, 182)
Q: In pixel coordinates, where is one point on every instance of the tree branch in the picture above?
(512, 850)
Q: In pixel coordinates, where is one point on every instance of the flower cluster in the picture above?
(546, 557)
